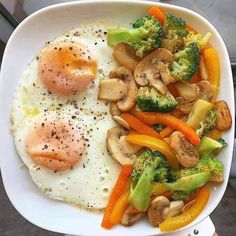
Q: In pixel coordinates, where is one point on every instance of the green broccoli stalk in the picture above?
(146, 35)
(149, 99)
(182, 195)
(186, 63)
(190, 182)
(205, 164)
(208, 124)
(209, 146)
(200, 39)
(150, 166)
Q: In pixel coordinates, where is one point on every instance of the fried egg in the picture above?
(60, 133)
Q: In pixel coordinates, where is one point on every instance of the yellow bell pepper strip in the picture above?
(158, 189)
(119, 208)
(139, 126)
(119, 188)
(155, 144)
(213, 66)
(189, 215)
(151, 118)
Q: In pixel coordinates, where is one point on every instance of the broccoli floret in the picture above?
(182, 195)
(149, 99)
(158, 127)
(147, 158)
(200, 39)
(186, 63)
(208, 124)
(222, 141)
(206, 163)
(174, 32)
(146, 35)
(150, 165)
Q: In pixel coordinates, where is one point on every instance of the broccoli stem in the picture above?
(116, 36)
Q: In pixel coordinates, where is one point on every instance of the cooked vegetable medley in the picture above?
(169, 124)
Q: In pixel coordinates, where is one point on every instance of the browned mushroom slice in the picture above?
(125, 55)
(155, 210)
(203, 69)
(223, 117)
(174, 209)
(129, 219)
(165, 73)
(121, 151)
(112, 90)
(183, 106)
(158, 85)
(114, 110)
(206, 91)
(185, 152)
(121, 122)
(189, 92)
(147, 68)
(126, 76)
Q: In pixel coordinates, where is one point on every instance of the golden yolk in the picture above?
(56, 145)
(67, 67)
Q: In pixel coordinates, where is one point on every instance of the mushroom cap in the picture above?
(125, 55)
(155, 211)
(185, 152)
(126, 76)
(147, 68)
(120, 150)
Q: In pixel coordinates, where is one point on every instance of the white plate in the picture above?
(25, 42)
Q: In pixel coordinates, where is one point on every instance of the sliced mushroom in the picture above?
(159, 85)
(155, 211)
(147, 69)
(114, 110)
(165, 73)
(121, 122)
(183, 106)
(223, 117)
(118, 148)
(206, 91)
(189, 92)
(128, 148)
(126, 75)
(203, 69)
(185, 152)
(125, 55)
(112, 90)
(129, 219)
(174, 209)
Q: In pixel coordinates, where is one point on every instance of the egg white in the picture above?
(90, 182)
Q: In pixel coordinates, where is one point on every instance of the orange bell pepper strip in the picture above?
(166, 132)
(115, 195)
(154, 144)
(189, 215)
(214, 134)
(119, 208)
(139, 126)
(151, 118)
(157, 13)
(213, 66)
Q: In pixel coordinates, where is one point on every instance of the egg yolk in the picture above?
(66, 67)
(57, 145)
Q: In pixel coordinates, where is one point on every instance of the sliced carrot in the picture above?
(139, 126)
(115, 195)
(151, 118)
(195, 79)
(157, 13)
(167, 131)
